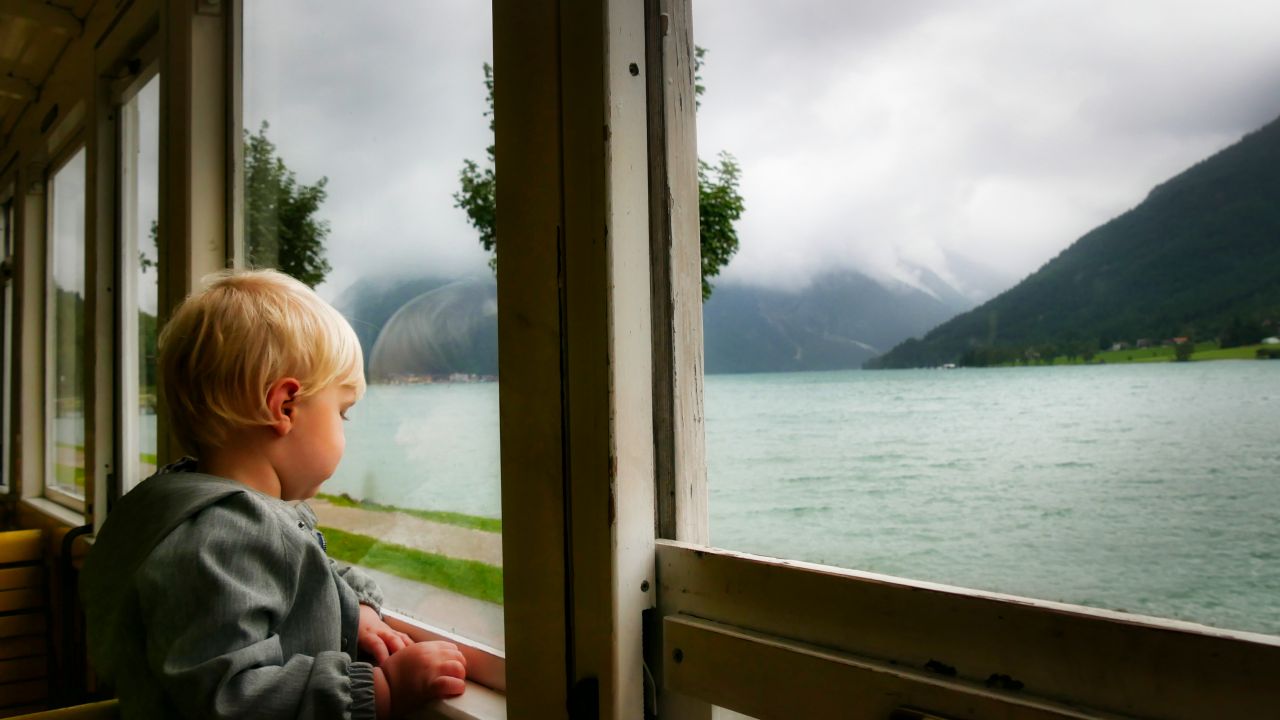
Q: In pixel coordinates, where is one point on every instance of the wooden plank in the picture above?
(24, 624)
(23, 710)
(20, 546)
(1118, 663)
(679, 442)
(193, 205)
(14, 578)
(530, 355)
(23, 646)
(679, 446)
(823, 684)
(26, 668)
(24, 599)
(24, 693)
(43, 14)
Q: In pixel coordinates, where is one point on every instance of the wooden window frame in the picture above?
(8, 202)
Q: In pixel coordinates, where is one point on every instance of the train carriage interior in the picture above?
(134, 138)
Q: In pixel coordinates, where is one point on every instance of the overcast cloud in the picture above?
(873, 136)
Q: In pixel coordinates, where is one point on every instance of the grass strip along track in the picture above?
(465, 577)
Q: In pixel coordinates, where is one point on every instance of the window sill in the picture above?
(477, 703)
(484, 665)
(55, 512)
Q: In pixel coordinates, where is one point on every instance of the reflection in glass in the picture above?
(66, 331)
(139, 187)
(357, 121)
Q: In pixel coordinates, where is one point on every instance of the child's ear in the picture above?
(281, 396)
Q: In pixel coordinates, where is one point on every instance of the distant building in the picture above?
(1271, 341)
(1143, 343)
(1121, 346)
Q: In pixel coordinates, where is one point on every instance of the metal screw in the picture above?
(678, 655)
(644, 586)
(635, 69)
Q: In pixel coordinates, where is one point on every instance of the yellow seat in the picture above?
(24, 622)
(105, 710)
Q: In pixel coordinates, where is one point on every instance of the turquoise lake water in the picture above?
(1147, 488)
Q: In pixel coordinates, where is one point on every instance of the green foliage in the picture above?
(478, 196)
(1198, 256)
(719, 207)
(467, 577)
(1183, 350)
(720, 204)
(474, 522)
(68, 382)
(281, 228)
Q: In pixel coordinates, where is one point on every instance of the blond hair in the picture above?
(225, 346)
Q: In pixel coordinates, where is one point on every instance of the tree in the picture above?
(478, 196)
(281, 229)
(720, 205)
(1182, 351)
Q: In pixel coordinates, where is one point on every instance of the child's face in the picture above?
(315, 442)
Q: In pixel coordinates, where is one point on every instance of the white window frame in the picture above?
(128, 463)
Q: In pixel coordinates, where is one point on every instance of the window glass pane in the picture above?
(1058, 201)
(139, 183)
(66, 330)
(358, 120)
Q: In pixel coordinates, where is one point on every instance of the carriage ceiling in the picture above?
(33, 35)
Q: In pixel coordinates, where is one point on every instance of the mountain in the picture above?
(838, 321)
(431, 326)
(1199, 256)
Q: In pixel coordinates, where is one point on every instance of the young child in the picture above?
(207, 593)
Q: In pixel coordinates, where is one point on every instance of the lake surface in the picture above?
(1148, 488)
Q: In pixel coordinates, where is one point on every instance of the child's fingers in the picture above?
(446, 686)
(376, 648)
(394, 641)
(452, 668)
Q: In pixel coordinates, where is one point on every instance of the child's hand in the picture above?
(424, 671)
(376, 639)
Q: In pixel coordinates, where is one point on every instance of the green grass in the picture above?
(1204, 351)
(68, 475)
(474, 522)
(1244, 352)
(466, 577)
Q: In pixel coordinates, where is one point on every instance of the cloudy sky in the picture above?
(975, 139)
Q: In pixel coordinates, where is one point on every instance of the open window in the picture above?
(877, 472)
(139, 281)
(64, 333)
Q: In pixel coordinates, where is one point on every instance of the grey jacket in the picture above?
(206, 598)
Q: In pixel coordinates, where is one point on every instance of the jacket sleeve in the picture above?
(365, 587)
(211, 596)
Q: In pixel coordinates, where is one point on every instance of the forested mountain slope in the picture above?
(1199, 254)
